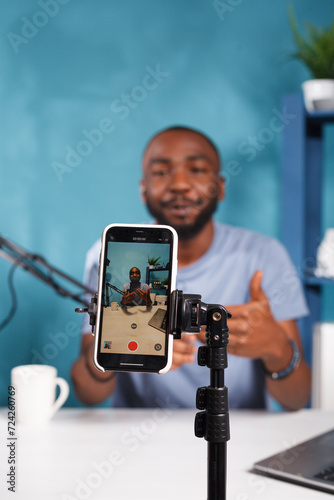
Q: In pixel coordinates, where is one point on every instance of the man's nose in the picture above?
(180, 180)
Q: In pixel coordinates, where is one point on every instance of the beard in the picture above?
(186, 230)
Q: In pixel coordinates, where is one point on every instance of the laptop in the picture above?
(310, 463)
(159, 320)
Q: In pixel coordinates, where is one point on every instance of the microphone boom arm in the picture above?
(40, 268)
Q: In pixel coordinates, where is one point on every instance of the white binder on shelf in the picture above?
(323, 366)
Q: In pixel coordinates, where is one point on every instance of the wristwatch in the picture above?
(292, 366)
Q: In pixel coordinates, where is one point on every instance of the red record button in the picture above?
(132, 346)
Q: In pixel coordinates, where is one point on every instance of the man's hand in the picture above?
(145, 296)
(183, 351)
(127, 298)
(254, 332)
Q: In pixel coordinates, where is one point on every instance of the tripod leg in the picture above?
(217, 471)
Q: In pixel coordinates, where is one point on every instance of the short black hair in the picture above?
(182, 128)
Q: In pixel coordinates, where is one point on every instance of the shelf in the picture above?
(302, 186)
(311, 280)
(155, 270)
(320, 117)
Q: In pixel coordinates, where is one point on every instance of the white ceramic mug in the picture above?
(161, 299)
(152, 297)
(35, 393)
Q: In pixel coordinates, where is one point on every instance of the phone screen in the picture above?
(136, 279)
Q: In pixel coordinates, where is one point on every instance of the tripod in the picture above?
(188, 314)
(213, 423)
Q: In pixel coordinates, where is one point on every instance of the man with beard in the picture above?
(136, 293)
(249, 273)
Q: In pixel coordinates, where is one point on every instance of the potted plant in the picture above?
(164, 282)
(152, 261)
(316, 51)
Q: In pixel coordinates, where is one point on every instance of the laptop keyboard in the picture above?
(159, 320)
(326, 474)
(164, 323)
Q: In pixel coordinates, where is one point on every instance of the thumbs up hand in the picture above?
(254, 332)
(256, 292)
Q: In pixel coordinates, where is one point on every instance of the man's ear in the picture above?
(221, 188)
(142, 190)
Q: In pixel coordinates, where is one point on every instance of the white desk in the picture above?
(107, 454)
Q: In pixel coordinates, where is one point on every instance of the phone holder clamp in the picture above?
(91, 310)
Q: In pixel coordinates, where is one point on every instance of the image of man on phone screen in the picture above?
(136, 293)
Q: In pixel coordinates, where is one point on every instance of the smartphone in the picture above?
(137, 275)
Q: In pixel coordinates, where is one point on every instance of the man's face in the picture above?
(134, 275)
(181, 184)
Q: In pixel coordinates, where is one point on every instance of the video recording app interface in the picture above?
(136, 289)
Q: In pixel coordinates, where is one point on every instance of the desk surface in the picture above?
(101, 454)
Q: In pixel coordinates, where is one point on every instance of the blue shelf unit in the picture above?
(302, 152)
(153, 275)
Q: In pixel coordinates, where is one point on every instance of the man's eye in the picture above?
(195, 169)
(159, 172)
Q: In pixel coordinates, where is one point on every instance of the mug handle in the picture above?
(63, 395)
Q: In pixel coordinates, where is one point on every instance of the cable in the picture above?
(12, 311)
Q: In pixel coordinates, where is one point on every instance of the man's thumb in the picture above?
(256, 292)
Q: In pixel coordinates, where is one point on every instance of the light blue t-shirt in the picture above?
(137, 301)
(221, 276)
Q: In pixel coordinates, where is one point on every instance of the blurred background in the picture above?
(83, 87)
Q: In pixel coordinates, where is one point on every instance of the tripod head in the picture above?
(189, 314)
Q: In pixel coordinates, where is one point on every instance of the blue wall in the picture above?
(124, 256)
(84, 85)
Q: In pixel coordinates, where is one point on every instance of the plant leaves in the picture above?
(316, 51)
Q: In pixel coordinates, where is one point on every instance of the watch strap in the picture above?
(292, 366)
